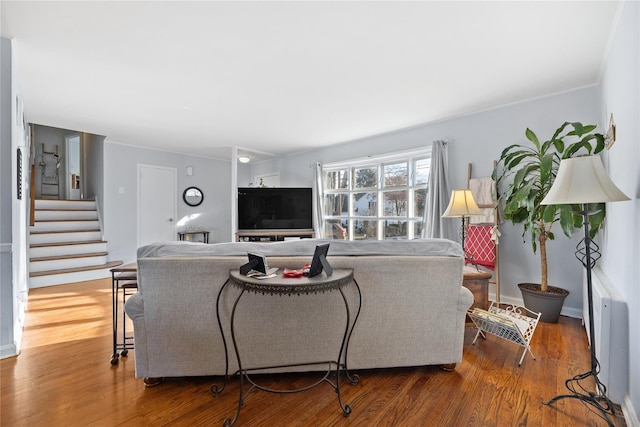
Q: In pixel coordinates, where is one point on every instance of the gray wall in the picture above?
(479, 139)
(213, 177)
(93, 167)
(620, 241)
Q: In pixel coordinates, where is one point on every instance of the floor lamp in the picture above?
(462, 205)
(580, 181)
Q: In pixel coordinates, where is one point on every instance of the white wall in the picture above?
(620, 241)
(479, 139)
(13, 211)
(213, 177)
(7, 346)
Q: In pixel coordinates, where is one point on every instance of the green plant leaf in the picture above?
(566, 220)
(578, 129)
(559, 145)
(549, 213)
(599, 143)
(559, 130)
(531, 136)
(546, 168)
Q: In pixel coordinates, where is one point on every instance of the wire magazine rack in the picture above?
(513, 323)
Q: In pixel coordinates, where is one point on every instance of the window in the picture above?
(376, 198)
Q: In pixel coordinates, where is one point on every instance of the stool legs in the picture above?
(127, 283)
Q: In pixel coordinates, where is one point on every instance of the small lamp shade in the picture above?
(461, 204)
(582, 180)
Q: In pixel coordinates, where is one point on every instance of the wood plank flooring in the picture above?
(63, 378)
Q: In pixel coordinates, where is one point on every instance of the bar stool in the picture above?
(124, 282)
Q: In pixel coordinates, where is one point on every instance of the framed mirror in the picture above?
(193, 196)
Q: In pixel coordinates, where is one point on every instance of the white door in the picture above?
(72, 150)
(157, 204)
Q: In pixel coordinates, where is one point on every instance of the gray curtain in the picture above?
(318, 191)
(438, 195)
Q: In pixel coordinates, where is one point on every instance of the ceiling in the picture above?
(276, 78)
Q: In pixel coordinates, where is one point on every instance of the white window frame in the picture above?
(411, 218)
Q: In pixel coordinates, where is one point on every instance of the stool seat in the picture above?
(133, 284)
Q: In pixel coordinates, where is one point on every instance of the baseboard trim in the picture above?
(8, 350)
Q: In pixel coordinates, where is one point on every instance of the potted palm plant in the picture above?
(528, 172)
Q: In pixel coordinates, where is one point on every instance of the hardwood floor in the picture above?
(63, 378)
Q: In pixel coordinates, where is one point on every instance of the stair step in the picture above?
(87, 242)
(75, 270)
(66, 214)
(73, 225)
(77, 275)
(64, 257)
(61, 204)
(60, 263)
(89, 230)
(64, 237)
(66, 248)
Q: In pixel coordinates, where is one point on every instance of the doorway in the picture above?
(73, 190)
(157, 204)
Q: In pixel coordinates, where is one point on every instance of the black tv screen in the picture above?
(275, 208)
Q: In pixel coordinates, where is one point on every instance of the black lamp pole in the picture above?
(463, 233)
(588, 257)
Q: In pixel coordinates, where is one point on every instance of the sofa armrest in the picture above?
(134, 307)
(465, 300)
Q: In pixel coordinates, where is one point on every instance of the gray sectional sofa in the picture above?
(413, 307)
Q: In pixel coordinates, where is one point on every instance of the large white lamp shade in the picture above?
(582, 180)
(461, 204)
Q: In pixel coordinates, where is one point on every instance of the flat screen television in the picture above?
(284, 208)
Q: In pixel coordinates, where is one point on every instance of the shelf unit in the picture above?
(273, 235)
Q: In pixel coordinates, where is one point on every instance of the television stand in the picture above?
(273, 235)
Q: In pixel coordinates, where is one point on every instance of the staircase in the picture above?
(66, 243)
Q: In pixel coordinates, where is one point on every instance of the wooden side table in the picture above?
(478, 283)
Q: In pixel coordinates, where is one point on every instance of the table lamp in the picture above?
(462, 205)
(580, 181)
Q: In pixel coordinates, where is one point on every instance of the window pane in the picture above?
(395, 174)
(365, 229)
(419, 201)
(335, 229)
(365, 177)
(395, 229)
(422, 171)
(376, 199)
(335, 205)
(336, 179)
(417, 229)
(365, 204)
(395, 203)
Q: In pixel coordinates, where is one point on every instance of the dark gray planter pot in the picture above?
(548, 303)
